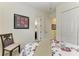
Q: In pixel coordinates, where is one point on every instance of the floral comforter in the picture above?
(29, 49)
(60, 48)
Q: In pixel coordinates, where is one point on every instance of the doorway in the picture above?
(53, 27)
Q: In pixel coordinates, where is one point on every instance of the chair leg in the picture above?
(19, 48)
(3, 51)
(10, 53)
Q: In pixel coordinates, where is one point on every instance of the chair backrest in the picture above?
(7, 39)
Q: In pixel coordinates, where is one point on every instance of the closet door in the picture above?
(69, 26)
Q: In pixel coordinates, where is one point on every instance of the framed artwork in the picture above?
(53, 26)
(21, 22)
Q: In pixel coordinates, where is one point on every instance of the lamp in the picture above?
(35, 25)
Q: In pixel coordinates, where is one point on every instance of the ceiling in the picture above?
(46, 7)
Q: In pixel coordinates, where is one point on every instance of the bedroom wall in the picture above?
(7, 11)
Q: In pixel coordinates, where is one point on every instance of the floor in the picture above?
(44, 48)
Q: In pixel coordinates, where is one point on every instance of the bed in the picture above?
(60, 48)
(29, 49)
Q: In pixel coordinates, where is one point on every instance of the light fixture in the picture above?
(35, 22)
(36, 25)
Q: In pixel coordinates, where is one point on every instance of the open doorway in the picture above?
(53, 27)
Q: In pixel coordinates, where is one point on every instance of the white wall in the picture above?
(7, 11)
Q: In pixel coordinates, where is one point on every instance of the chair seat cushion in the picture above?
(12, 46)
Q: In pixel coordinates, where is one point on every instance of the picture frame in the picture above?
(53, 26)
(21, 22)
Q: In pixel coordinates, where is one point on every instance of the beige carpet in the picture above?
(44, 48)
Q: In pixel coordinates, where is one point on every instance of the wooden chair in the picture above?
(8, 43)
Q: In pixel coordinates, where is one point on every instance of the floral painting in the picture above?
(21, 22)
